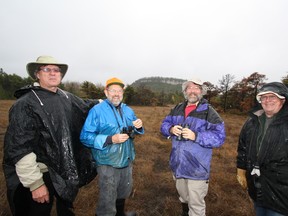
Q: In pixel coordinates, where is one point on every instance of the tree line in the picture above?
(229, 95)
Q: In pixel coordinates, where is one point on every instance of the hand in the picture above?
(41, 194)
(119, 138)
(241, 177)
(176, 130)
(137, 123)
(188, 134)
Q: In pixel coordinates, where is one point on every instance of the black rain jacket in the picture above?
(270, 190)
(49, 125)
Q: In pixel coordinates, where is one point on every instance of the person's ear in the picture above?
(36, 75)
(105, 92)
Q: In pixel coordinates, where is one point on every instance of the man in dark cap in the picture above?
(262, 161)
(43, 156)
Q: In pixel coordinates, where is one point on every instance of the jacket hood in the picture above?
(277, 88)
(34, 88)
(24, 90)
(281, 116)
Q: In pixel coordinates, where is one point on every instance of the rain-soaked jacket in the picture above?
(272, 160)
(105, 120)
(48, 124)
(191, 159)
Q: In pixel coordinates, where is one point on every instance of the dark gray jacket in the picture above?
(270, 190)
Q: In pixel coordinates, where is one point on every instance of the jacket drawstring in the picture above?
(64, 93)
(37, 97)
(40, 99)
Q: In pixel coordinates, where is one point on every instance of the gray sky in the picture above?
(132, 39)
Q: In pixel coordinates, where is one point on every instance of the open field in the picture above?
(154, 190)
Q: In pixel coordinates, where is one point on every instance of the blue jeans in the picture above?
(261, 211)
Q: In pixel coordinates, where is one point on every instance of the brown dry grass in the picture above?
(154, 191)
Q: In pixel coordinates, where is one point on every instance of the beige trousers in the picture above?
(193, 192)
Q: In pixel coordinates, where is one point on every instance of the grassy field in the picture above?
(154, 191)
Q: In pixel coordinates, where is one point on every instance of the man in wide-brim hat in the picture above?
(43, 156)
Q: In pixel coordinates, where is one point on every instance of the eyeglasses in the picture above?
(270, 98)
(115, 91)
(198, 88)
(48, 70)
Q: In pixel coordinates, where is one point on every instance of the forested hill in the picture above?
(160, 84)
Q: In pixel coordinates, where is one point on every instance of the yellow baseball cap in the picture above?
(114, 81)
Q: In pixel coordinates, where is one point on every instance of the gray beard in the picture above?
(194, 99)
(116, 104)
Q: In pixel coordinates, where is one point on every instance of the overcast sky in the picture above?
(132, 39)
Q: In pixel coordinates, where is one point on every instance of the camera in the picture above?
(180, 138)
(129, 131)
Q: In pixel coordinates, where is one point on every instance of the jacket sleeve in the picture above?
(139, 131)
(166, 125)
(242, 146)
(175, 117)
(134, 117)
(29, 172)
(20, 136)
(213, 135)
(83, 105)
(90, 136)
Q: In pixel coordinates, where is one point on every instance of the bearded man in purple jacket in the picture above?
(195, 128)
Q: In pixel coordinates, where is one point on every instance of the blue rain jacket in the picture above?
(104, 120)
(191, 159)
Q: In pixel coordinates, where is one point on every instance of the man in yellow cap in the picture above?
(43, 134)
(109, 130)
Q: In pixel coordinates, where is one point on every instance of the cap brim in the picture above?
(268, 92)
(115, 83)
(197, 82)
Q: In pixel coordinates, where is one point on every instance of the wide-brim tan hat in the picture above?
(33, 67)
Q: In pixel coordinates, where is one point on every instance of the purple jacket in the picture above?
(191, 159)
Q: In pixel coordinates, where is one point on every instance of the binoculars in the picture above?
(180, 138)
(129, 131)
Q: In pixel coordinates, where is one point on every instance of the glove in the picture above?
(241, 178)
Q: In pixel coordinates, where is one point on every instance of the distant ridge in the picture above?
(160, 84)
